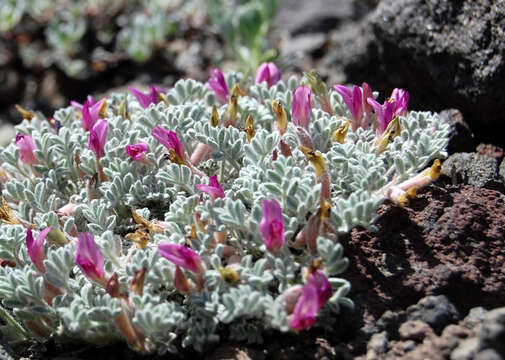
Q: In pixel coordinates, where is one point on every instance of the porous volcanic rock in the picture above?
(446, 53)
(480, 335)
(473, 169)
(449, 241)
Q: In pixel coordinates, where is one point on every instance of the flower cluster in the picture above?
(157, 217)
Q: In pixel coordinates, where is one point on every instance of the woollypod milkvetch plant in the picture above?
(171, 218)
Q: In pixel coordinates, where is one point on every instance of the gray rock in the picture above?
(492, 331)
(378, 343)
(489, 340)
(306, 43)
(475, 317)
(461, 138)
(446, 53)
(301, 16)
(473, 169)
(501, 171)
(488, 354)
(436, 311)
(466, 350)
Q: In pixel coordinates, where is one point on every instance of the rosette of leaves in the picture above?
(243, 291)
(78, 36)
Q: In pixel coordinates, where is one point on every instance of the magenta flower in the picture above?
(89, 258)
(137, 151)
(169, 139)
(26, 147)
(367, 93)
(217, 83)
(90, 113)
(268, 72)
(272, 225)
(214, 189)
(384, 113)
(314, 296)
(401, 98)
(302, 107)
(145, 99)
(98, 137)
(353, 100)
(36, 248)
(324, 290)
(181, 256)
(306, 309)
(78, 106)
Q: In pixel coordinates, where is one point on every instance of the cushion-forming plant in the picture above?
(173, 217)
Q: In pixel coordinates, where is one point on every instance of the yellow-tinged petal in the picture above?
(163, 98)
(232, 108)
(214, 116)
(143, 222)
(230, 275)
(237, 91)
(102, 110)
(6, 213)
(340, 134)
(392, 131)
(410, 194)
(282, 118)
(249, 128)
(434, 170)
(325, 207)
(175, 158)
(139, 237)
(316, 158)
(26, 114)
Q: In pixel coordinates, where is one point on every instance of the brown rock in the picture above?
(450, 241)
(415, 330)
(231, 352)
(490, 150)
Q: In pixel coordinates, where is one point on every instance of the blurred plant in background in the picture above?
(244, 26)
(66, 32)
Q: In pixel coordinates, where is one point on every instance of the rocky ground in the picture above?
(430, 283)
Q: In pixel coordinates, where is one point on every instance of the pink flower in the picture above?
(89, 258)
(384, 113)
(181, 282)
(137, 151)
(324, 290)
(401, 98)
(301, 109)
(306, 309)
(169, 139)
(353, 100)
(98, 137)
(367, 93)
(268, 72)
(272, 225)
(314, 296)
(213, 189)
(66, 210)
(217, 83)
(90, 113)
(145, 99)
(36, 248)
(26, 147)
(78, 106)
(181, 256)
